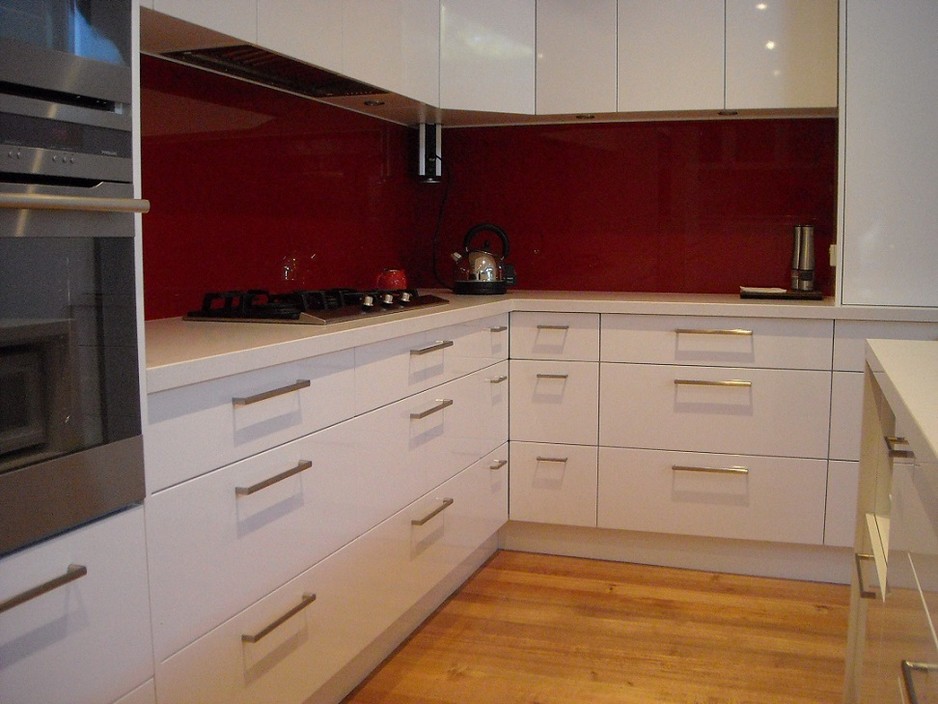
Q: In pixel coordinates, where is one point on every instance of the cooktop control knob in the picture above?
(405, 297)
(368, 303)
(387, 300)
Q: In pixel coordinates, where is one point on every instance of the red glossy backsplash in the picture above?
(247, 183)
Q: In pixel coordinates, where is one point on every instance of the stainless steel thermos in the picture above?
(802, 259)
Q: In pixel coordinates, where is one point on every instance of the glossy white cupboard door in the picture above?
(781, 54)
(890, 164)
(308, 30)
(553, 483)
(237, 18)
(487, 55)
(554, 401)
(670, 55)
(576, 56)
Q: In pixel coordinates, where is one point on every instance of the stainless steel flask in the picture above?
(802, 259)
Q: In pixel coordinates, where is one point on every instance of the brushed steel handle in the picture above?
(740, 383)
(736, 469)
(552, 376)
(498, 379)
(438, 345)
(713, 331)
(72, 572)
(561, 460)
(553, 327)
(441, 403)
(909, 667)
(498, 328)
(304, 602)
(498, 464)
(435, 512)
(41, 201)
(248, 490)
(858, 559)
(263, 396)
(892, 441)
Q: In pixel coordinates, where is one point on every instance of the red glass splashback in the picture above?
(252, 187)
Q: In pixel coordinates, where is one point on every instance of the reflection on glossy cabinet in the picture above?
(309, 30)
(237, 18)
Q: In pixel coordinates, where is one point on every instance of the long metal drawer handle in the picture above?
(858, 559)
(40, 201)
(908, 667)
(552, 376)
(438, 345)
(561, 460)
(498, 464)
(72, 573)
(498, 328)
(304, 602)
(736, 469)
(441, 403)
(248, 400)
(713, 331)
(435, 512)
(498, 379)
(892, 441)
(741, 383)
(248, 490)
(553, 327)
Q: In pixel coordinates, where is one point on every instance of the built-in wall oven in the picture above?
(70, 428)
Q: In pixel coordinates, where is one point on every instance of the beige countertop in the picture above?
(180, 352)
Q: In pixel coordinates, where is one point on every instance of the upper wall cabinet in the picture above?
(781, 54)
(576, 56)
(487, 55)
(309, 30)
(890, 167)
(236, 18)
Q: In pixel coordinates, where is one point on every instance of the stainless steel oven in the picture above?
(70, 429)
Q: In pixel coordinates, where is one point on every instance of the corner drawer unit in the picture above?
(197, 428)
(568, 336)
(553, 484)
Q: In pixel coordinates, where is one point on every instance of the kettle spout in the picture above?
(456, 256)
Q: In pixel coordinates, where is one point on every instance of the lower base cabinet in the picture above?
(553, 483)
(287, 645)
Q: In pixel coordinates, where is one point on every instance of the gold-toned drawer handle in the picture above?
(713, 331)
(304, 602)
(908, 667)
(42, 201)
(561, 460)
(435, 512)
(441, 403)
(552, 376)
(736, 469)
(498, 328)
(72, 572)
(498, 464)
(859, 558)
(248, 490)
(438, 345)
(892, 441)
(553, 327)
(498, 379)
(740, 383)
(256, 398)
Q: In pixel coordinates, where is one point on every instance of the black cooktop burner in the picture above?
(309, 307)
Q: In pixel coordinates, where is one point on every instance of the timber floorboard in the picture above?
(544, 629)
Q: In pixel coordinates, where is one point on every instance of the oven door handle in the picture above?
(42, 201)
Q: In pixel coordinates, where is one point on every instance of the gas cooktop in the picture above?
(308, 307)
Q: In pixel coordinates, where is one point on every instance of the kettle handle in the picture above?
(473, 231)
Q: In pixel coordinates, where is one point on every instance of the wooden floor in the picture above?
(538, 629)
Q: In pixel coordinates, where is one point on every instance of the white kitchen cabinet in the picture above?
(670, 55)
(576, 56)
(889, 162)
(781, 54)
(552, 483)
(237, 18)
(726, 496)
(840, 514)
(487, 59)
(308, 30)
(567, 336)
(554, 401)
(87, 640)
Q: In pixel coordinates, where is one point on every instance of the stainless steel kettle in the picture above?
(481, 271)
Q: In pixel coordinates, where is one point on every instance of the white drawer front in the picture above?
(392, 369)
(840, 518)
(197, 428)
(555, 336)
(87, 641)
(554, 401)
(205, 536)
(850, 338)
(553, 484)
(846, 415)
(753, 498)
(702, 409)
(360, 591)
(717, 341)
